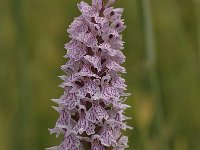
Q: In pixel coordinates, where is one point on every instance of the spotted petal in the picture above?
(88, 39)
(89, 11)
(78, 25)
(89, 88)
(70, 142)
(112, 65)
(118, 82)
(63, 120)
(96, 113)
(110, 93)
(70, 101)
(77, 53)
(106, 137)
(81, 125)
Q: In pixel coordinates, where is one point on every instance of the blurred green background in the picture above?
(163, 65)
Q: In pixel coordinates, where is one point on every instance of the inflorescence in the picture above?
(92, 106)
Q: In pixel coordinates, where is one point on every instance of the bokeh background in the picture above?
(163, 65)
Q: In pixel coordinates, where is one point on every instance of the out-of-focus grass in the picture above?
(32, 34)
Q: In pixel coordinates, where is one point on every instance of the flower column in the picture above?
(92, 106)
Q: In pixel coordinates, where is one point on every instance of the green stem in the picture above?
(152, 69)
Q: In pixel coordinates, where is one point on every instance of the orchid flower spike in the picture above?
(92, 106)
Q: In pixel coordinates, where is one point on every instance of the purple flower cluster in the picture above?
(92, 106)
